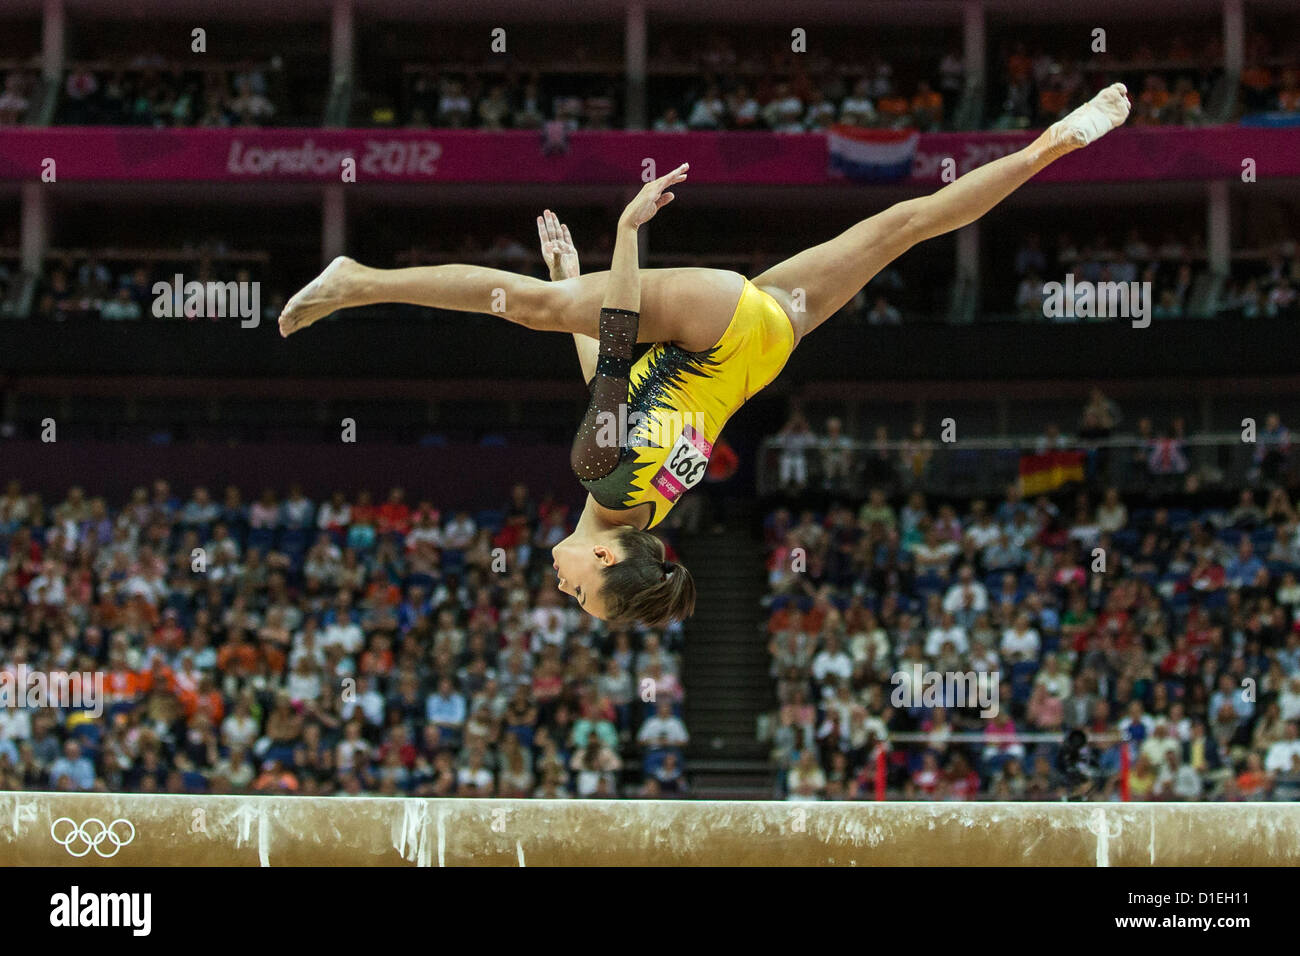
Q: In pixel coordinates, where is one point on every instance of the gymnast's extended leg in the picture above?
(831, 274)
(690, 307)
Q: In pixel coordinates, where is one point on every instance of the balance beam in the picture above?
(60, 829)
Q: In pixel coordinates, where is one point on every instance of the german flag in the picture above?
(1045, 473)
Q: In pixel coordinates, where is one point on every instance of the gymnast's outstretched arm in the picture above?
(595, 452)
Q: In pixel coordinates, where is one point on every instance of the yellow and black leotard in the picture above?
(650, 427)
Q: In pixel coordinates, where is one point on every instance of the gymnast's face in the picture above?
(580, 563)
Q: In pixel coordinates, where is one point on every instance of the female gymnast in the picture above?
(718, 339)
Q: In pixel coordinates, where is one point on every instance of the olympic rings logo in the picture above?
(92, 833)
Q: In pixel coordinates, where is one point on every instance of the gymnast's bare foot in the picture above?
(326, 293)
(1091, 121)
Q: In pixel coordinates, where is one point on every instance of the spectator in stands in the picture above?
(934, 554)
(966, 598)
(795, 439)
(877, 509)
(1247, 514)
(914, 456)
(79, 87)
(952, 78)
(820, 112)
(1030, 258)
(806, 780)
(857, 108)
(1098, 421)
(530, 112)
(1282, 754)
(594, 766)
(454, 106)
(663, 731)
(1272, 449)
(13, 100)
(927, 107)
(1112, 514)
(832, 661)
(1020, 641)
(1166, 456)
(709, 112)
(784, 112)
(670, 122)
(743, 109)
(882, 313)
(881, 467)
(946, 635)
(1254, 782)
(1051, 439)
(494, 113)
(72, 771)
(836, 456)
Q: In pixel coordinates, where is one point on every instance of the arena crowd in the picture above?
(1169, 631)
(343, 646)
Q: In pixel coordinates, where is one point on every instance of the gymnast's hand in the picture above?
(557, 247)
(652, 197)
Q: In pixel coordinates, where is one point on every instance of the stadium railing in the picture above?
(981, 467)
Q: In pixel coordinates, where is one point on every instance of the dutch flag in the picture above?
(872, 155)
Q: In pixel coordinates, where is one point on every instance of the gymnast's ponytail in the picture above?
(643, 586)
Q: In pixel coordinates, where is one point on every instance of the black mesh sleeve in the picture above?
(597, 447)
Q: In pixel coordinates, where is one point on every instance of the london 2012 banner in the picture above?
(852, 158)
